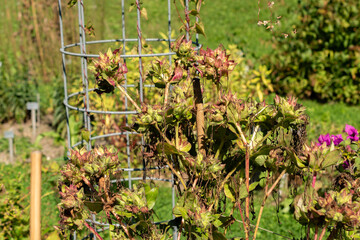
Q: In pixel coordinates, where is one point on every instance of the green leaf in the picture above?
(151, 195)
(260, 160)
(167, 149)
(194, 13)
(331, 158)
(357, 163)
(300, 163)
(253, 186)
(180, 212)
(233, 129)
(226, 221)
(71, 3)
(53, 236)
(183, 144)
(243, 191)
(199, 27)
(132, 6)
(94, 206)
(85, 134)
(229, 192)
(160, 84)
(218, 236)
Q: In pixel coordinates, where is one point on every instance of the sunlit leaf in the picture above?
(229, 192)
(199, 27)
(151, 195)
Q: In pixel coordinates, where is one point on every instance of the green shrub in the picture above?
(14, 217)
(14, 94)
(322, 61)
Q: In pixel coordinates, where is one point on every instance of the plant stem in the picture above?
(220, 148)
(177, 135)
(167, 162)
(267, 194)
(87, 182)
(122, 224)
(314, 180)
(180, 229)
(179, 236)
(253, 137)
(323, 231)
(268, 134)
(163, 135)
(247, 180)
(262, 206)
(223, 183)
(276, 182)
(241, 134)
(247, 200)
(200, 119)
(316, 233)
(176, 173)
(128, 97)
(93, 230)
(242, 215)
(308, 232)
(166, 94)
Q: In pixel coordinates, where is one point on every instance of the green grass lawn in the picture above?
(225, 21)
(330, 117)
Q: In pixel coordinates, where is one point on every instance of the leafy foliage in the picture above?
(331, 193)
(15, 95)
(85, 187)
(109, 69)
(14, 221)
(212, 164)
(322, 60)
(220, 151)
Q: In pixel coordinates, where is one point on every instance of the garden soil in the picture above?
(47, 145)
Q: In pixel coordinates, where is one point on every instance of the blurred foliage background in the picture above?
(322, 61)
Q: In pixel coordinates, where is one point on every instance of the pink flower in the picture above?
(346, 164)
(337, 139)
(324, 138)
(352, 132)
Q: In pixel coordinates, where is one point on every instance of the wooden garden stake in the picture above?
(200, 126)
(35, 196)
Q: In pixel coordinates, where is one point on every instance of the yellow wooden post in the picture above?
(35, 196)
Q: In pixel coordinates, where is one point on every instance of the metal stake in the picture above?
(33, 107)
(10, 136)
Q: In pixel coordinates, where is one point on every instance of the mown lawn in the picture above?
(225, 21)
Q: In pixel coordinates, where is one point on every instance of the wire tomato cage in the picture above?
(82, 103)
